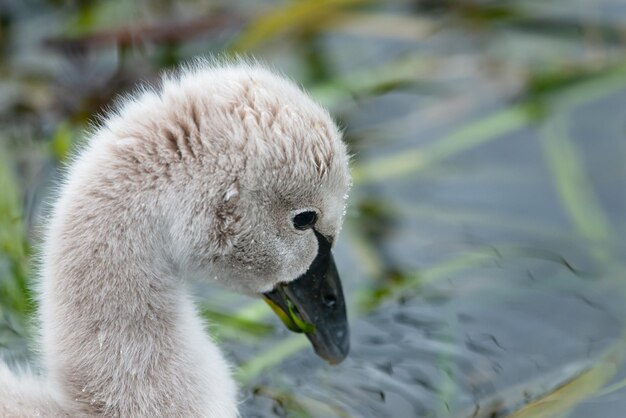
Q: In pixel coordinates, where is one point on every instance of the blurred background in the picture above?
(482, 255)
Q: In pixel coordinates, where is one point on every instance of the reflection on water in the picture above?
(482, 255)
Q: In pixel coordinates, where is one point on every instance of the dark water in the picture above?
(482, 256)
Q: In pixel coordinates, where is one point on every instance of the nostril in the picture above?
(329, 300)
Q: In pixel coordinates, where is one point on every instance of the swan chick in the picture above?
(226, 172)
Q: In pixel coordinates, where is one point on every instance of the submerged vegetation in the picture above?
(483, 251)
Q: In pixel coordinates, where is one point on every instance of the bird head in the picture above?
(255, 192)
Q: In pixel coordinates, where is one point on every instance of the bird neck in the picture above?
(120, 334)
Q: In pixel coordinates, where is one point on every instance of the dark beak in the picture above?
(314, 304)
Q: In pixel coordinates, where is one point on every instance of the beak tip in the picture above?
(332, 353)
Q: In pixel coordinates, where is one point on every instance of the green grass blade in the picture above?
(467, 137)
(271, 357)
(573, 184)
(553, 395)
(235, 325)
(301, 406)
(14, 292)
(305, 14)
(565, 397)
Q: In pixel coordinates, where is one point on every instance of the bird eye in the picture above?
(305, 220)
